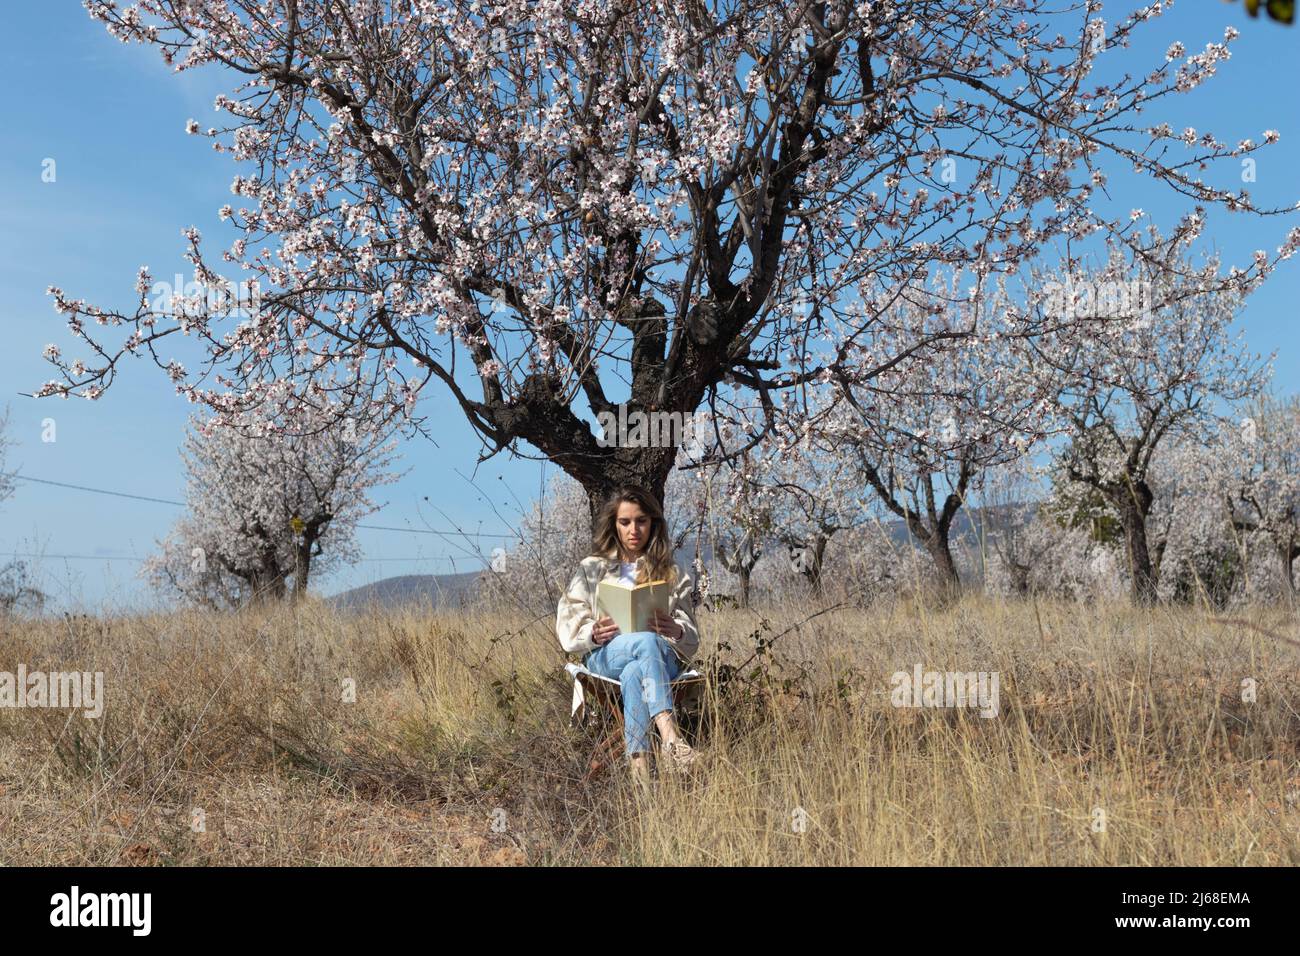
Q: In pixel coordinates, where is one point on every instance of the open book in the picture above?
(632, 608)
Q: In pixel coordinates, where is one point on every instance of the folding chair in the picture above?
(606, 695)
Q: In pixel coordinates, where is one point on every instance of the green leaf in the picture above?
(1282, 10)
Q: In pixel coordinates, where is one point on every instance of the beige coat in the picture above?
(576, 615)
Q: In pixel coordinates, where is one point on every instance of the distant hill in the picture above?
(427, 591)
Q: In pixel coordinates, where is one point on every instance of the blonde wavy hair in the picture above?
(657, 563)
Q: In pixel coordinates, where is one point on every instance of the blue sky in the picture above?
(128, 180)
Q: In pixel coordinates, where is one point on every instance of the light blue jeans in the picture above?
(645, 664)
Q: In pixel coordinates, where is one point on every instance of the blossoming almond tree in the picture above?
(668, 194)
(741, 523)
(1262, 465)
(1195, 552)
(1044, 556)
(1145, 375)
(720, 501)
(813, 488)
(924, 433)
(270, 502)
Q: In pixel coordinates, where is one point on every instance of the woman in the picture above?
(631, 542)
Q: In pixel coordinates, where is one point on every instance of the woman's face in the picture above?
(633, 527)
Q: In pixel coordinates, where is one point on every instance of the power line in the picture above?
(98, 491)
(110, 557)
(181, 504)
(69, 557)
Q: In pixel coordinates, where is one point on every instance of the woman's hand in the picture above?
(665, 624)
(604, 631)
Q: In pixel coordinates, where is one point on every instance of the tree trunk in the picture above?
(301, 569)
(268, 588)
(1019, 578)
(1139, 556)
(941, 553)
(740, 561)
(817, 586)
(1132, 499)
(1287, 555)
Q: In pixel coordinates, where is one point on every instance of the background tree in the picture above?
(1077, 505)
(925, 432)
(269, 503)
(718, 501)
(742, 522)
(1262, 464)
(669, 194)
(1141, 375)
(816, 491)
(1195, 554)
(1054, 543)
(1046, 558)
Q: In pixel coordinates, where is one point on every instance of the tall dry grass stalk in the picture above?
(1122, 738)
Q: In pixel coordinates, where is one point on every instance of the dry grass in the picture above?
(457, 748)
